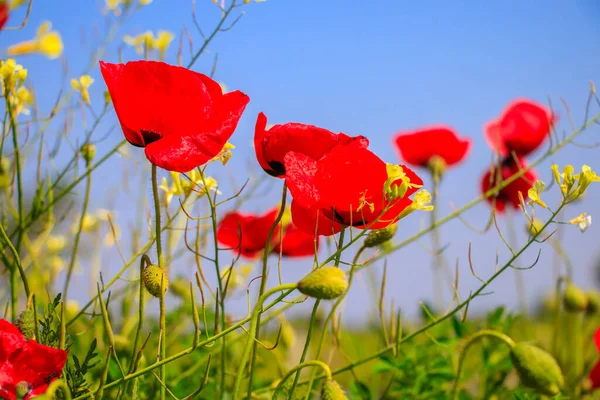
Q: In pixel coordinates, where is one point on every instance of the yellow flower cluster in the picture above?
(46, 42)
(572, 185)
(81, 85)
(146, 41)
(118, 6)
(184, 186)
(13, 77)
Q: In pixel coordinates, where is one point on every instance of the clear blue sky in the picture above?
(374, 68)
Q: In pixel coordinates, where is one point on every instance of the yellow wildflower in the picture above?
(225, 153)
(583, 221)
(142, 41)
(47, 42)
(420, 202)
(394, 173)
(162, 42)
(81, 85)
(56, 243)
(535, 192)
(17, 3)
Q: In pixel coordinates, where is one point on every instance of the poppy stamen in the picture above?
(150, 136)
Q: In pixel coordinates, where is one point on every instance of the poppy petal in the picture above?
(313, 221)
(254, 231)
(11, 339)
(509, 195)
(300, 178)
(36, 363)
(296, 243)
(418, 147)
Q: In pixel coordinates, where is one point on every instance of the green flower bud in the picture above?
(537, 369)
(380, 236)
(4, 173)
(88, 151)
(332, 391)
(575, 299)
(22, 390)
(26, 323)
(155, 277)
(593, 305)
(437, 166)
(324, 283)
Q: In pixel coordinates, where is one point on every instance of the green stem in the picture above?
(263, 282)
(297, 368)
(162, 318)
(438, 258)
(65, 293)
(17, 261)
(472, 340)
(252, 334)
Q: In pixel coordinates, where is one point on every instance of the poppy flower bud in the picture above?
(380, 236)
(537, 369)
(22, 389)
(332, 391)
(593, 302)
(324, 283)
(575, 299)
(88, 151)
(26, 323)
(155, 277)
(437, 166)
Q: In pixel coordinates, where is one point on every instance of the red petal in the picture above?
(296, 243)
(597, 339)
(259, 134)
(184, 153)
(11, 340)
(313, 221)
(300, 178)
(3, 14)
(418, 147)
(522, 128)
(254, 232)
(594, 376)
(509, 195)
(36, 363)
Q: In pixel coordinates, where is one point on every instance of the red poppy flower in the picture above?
(296, 243)
(273, 144)
(246, 233)
(313, 220)
(346, 186)
(521, 129)
(420, 146)
(594, 375)
(26, 361)
(3, 13)
(509, 195)
(180, 117)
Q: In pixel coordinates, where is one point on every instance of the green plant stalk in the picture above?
(332, 312)
(221, 299)
(162, 317)
(449, 314)
(263, 282)
(144, 261)
(472, 340)
(574, 346)
(438, 262)
(297, 368)
(252, 334)
(65, 293)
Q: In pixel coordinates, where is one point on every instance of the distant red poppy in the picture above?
(508, 196)
(594, 375)
(420, 146)
(295, 243)
(181, 117)
(246, 233)
(23, 360)
(3, 13)
(346, 186)
(522, 128)
(273, 144)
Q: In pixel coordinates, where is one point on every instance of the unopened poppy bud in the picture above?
(26, 323)
(537, 369)
(437, 166)
(380, 236)
(324, 283)
(593, 305)
(88, 151)
(22, 389)
(155, 277)
(332, 391)
(575, 299)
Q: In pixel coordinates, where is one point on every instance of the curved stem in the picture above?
(472, 340)
(252, 334)
(263, 281)
(162, 318)
(297, 368)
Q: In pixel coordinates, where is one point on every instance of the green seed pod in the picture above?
(4, 173)
(26, 323)
(575, 299)
(380, 236)
(332, 391)
(88, 151)
(593, 305)
(324, 283)
(22, 390)
(537, 369)
(154, 277)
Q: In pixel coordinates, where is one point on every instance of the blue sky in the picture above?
(372, 68)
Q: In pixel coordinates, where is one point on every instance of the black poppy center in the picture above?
(150, 136)
(277, 168)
